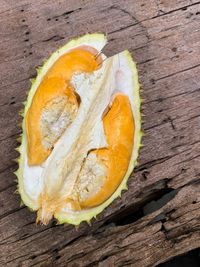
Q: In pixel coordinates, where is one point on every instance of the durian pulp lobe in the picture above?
(55, 97)
(110, 164)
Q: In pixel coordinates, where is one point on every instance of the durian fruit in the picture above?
(81, 132)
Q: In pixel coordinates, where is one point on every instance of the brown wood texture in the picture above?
(164, 38)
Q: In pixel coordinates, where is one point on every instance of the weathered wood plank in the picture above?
(149, 241)
(164, 39)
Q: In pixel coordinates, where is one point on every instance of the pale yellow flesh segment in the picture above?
(56, 85)
(106, 167)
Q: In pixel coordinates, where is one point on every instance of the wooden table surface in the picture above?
(164, 38)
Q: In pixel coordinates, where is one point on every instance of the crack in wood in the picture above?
(172, 96)
(66, 13)
(126, 12)
(186, 144)
(8, 187)
(54, 38)
(123, 28)
(11, 212)
(192, 158)
(191, 118)
(151, 163)
(178, 72)
(184, 8)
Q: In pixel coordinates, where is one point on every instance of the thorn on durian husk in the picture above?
(44, 62)
(77, 227)
(38, 70)
(16, 173)
(16, 191)
(19, 124)
(141, 90)
(21, 113)
(17, 149)
(19, 138)
(136, 163)
(16, 160)
(32, 81)
(89, 222)
(141, 133)
(21, 203)
(31, 209)
(57, 223)
(125, 187)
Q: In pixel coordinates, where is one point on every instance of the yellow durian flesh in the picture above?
(110, 163)
(55, 94)
(114, 150)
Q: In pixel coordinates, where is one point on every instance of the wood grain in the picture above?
(164, 38)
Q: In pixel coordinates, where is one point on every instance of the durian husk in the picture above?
(86, 215)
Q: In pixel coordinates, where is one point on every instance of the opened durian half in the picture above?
(81, 132)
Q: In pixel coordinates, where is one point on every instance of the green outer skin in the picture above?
(76, 218)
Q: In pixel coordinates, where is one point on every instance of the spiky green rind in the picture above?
(76, 218)
(41, 71)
